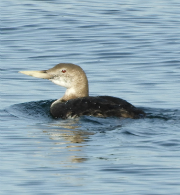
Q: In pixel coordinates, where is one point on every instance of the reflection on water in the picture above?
(78, 136)
(68, 136)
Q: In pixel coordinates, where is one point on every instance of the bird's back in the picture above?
(100, 106)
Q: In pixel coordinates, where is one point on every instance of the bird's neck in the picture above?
(76, 92)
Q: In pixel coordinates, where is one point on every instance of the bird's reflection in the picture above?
(69, 137)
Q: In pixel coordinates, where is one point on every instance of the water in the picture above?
(129, 49)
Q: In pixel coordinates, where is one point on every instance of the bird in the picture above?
(76, 101)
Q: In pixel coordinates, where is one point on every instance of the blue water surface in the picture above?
(128, 49)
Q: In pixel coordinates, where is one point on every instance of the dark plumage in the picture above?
(101, 106)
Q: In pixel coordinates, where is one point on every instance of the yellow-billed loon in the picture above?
(76, 100)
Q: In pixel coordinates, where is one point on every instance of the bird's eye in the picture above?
(63, 71)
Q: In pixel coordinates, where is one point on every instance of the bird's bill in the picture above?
(37, 73)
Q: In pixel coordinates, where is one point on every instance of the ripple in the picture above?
(32, 110)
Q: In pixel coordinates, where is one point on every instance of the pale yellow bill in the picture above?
(37, 73)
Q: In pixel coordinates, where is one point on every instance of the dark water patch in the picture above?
(5, 115)
(43, 57)
(163, 114)
(32, 110)
(171, 143)
(126, 132)
(90, 119)
(8, 30)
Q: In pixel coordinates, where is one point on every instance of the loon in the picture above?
(76, 101)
